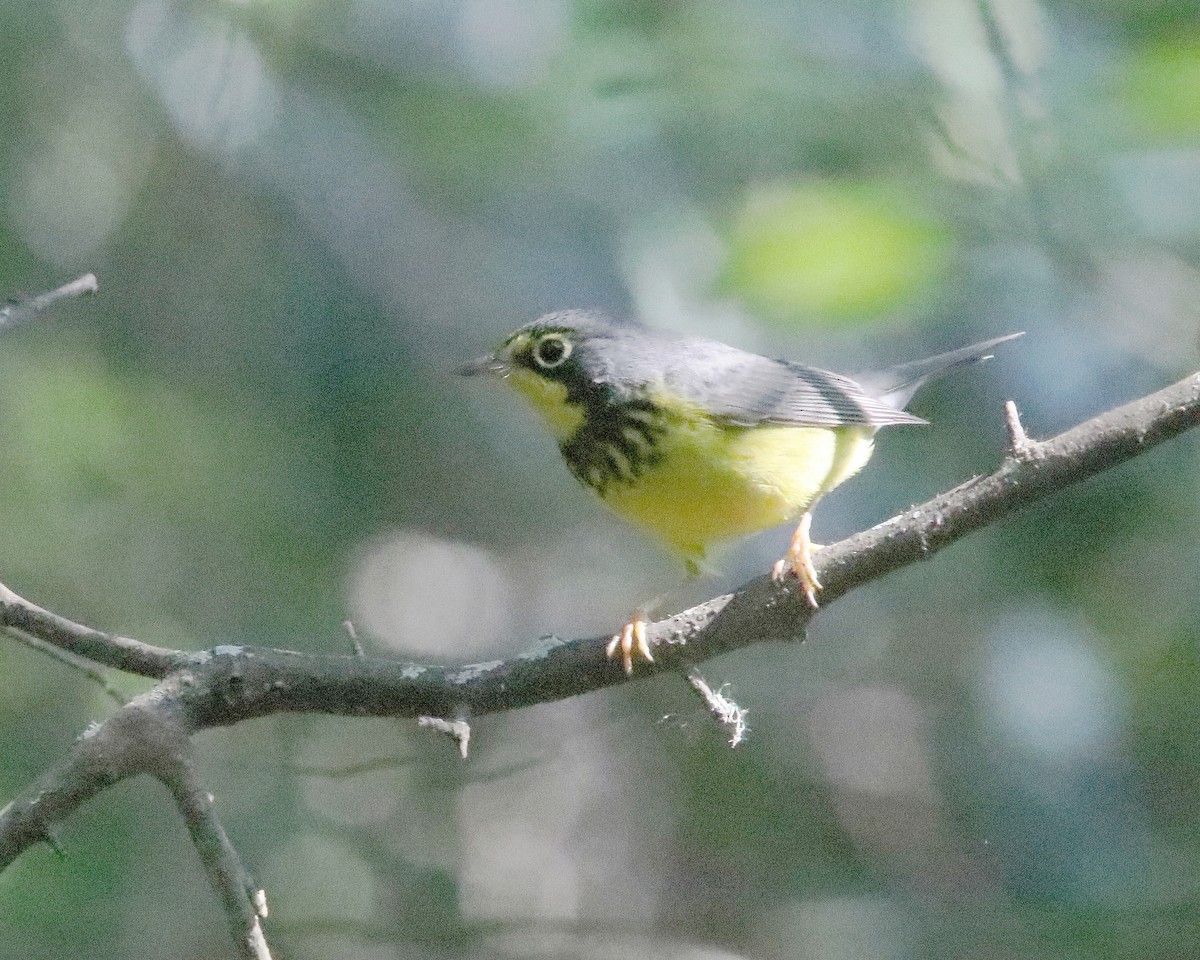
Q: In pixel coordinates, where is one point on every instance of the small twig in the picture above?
(86, 667)
(457, 730)
(343, 773)
(16, 312)
(245, 904)
(1019, 444)
(724, 709)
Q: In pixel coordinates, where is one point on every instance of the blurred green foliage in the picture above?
(1160, 83)
(305, 215)
(832, 250)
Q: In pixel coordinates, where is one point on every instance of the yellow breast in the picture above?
(714, 482)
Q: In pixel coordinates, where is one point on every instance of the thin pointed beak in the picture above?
(491, 365)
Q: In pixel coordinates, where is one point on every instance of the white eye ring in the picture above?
(556, 356)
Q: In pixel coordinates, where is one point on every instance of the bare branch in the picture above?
(17, 312)
(147, 736)
(1049, 467)
(134, 740)
(122, 653)
(245, 904)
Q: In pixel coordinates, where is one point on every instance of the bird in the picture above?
(697, 442)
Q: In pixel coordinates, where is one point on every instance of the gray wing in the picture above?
(746, 389)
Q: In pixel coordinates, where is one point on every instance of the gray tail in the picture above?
(897, 384)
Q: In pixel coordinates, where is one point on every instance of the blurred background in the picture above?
(304, 214)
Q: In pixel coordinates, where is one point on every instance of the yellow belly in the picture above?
(716, 482)
(711, 481)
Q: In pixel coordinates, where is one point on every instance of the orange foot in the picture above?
(631, 638)
(799, 561)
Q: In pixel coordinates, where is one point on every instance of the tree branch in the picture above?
(121, 653)
(228, 684)
(146, 736)
(136, 739)
(245, 905)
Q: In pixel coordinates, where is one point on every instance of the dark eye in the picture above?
(551, 351)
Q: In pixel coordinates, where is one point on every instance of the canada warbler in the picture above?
(696, 441)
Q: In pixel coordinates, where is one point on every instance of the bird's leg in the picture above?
(631, 638)
(798, 560)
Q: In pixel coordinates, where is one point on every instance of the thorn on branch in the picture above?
(1019, 444)
(51, 841)
(348, 626)
(724, 709)
(457, 730)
